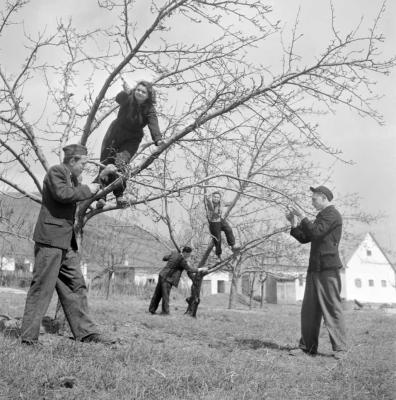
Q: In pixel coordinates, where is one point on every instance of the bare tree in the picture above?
(213, 98)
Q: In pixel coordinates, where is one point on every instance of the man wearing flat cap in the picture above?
(322, 296)
(56, 264)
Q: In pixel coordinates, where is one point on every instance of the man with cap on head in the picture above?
(56, 263)
(322, 296)
(170, 276)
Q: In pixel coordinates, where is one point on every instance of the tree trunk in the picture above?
(262, 294)
(233, 290)
(108, 283)
(262, 291)
(194, 298)
(197, 278)
(251, 291)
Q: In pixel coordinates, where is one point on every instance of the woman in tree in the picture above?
(125, 133)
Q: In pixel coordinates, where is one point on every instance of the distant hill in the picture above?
(106, 239)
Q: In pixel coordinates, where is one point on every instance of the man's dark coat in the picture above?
(55, 222)
(324, 234)
(175, 265)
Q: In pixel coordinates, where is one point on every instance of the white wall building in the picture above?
(369, 276)
(7, 264)
(216, 282)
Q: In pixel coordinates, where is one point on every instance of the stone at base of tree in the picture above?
(10, 327)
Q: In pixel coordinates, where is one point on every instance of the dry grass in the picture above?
(220, 355)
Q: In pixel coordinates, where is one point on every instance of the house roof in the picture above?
(284, 277)
(382, 251)
(378, 246)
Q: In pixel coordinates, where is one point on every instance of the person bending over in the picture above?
(170, 276)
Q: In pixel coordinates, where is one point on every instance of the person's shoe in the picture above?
(300, 352)
(121, 201)
(340, 355)
(110, 169)
(295, 352)
(98, 338)
(100, 204)
(235, 248)
(164, 314)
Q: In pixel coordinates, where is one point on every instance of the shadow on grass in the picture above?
(263, 344)
(260, 344)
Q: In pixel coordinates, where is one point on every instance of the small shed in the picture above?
(216, 282)
(281, 289)
(124, 274)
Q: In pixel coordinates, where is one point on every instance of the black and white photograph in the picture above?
(197, 199)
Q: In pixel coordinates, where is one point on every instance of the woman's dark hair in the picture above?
(216, 193)
(186, 249)
(150, 91)
(148, 103)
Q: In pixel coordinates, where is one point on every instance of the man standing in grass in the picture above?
(322, 297)
(56, 264)
(170, 276)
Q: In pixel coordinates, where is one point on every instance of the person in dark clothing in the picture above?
(170, 276)
(322, 296)
(218, 224)
(57, 263)
(124, 135)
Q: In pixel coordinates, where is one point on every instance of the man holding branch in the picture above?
(322, 296)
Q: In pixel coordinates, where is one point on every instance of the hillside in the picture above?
(105, 240)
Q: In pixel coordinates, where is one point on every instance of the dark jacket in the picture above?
(128, 127)
(55, 222)
(174, 268)
(324, 234)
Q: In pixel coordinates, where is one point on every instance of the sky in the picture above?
(370, 146)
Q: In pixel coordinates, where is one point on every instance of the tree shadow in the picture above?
(260, 344)
(264, 344)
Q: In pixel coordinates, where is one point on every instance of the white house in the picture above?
(7, 264)
(216, 282)
(369, 276)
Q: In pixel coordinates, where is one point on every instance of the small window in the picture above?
(150, 281)
(383, 283)
(371, 282)
(358, 283)
(368, 253)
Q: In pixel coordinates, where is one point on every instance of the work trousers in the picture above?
(162, 291)
(215, 229)
(121, 161)
(57, 269)
(322, 299)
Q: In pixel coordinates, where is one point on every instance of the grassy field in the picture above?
(220, 355)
